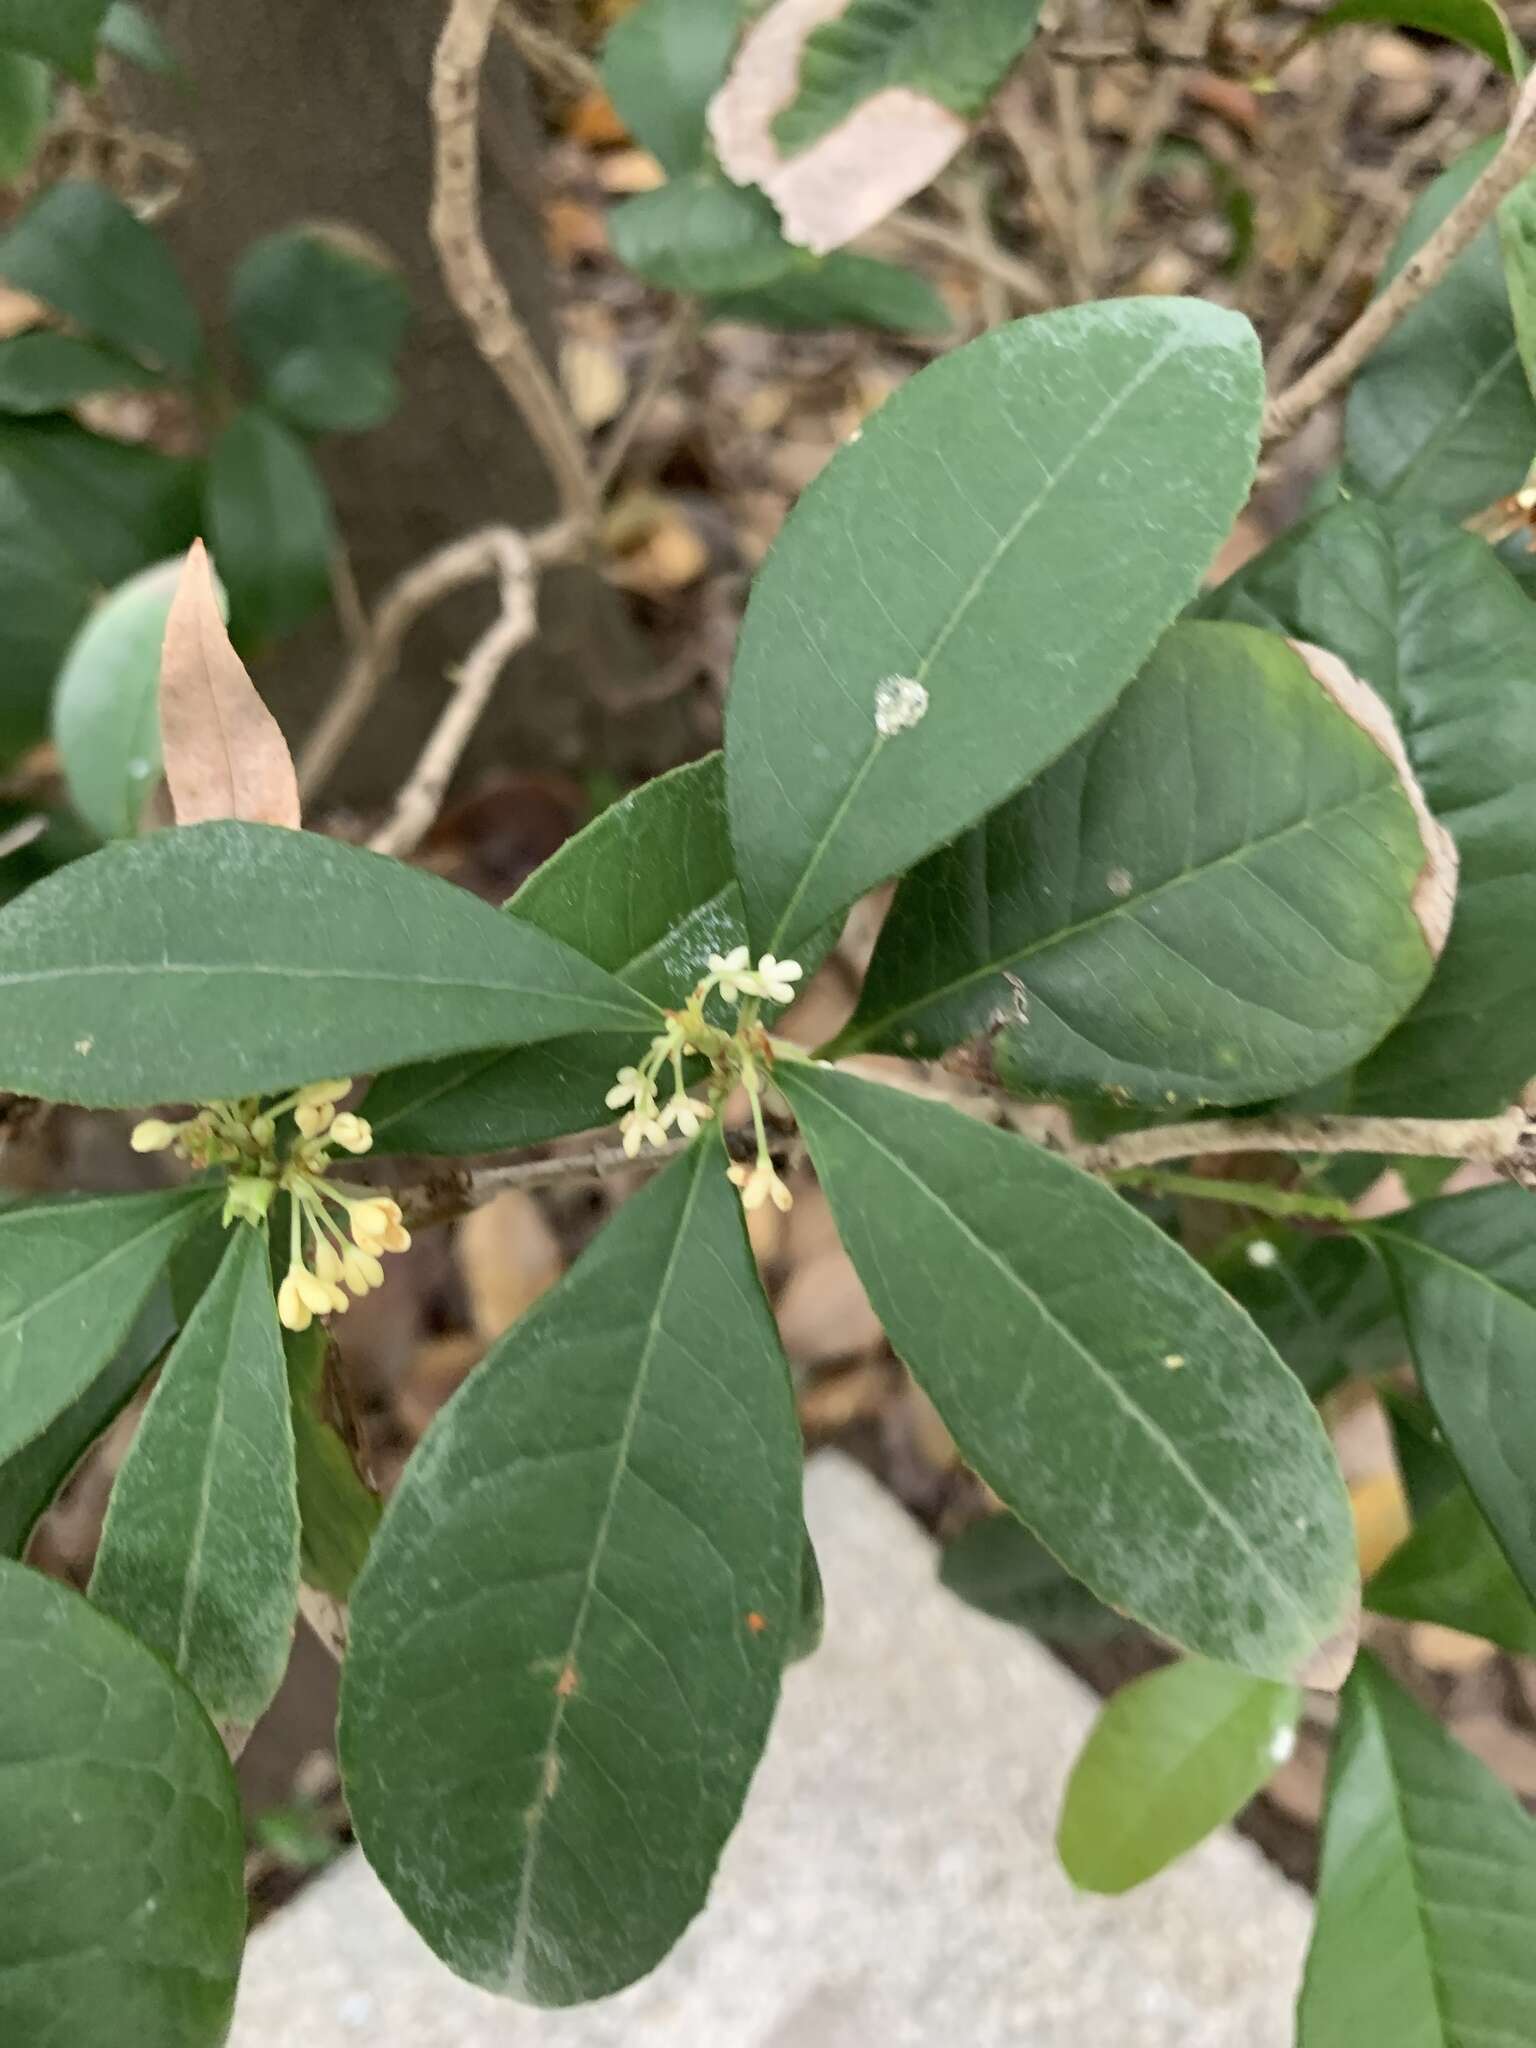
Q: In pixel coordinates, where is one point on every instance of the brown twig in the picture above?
(1159, 109)
(548, 56)
(468, 272)
(1507, 1141)
(1413, 283)
(1013, 115)
(673, 339)
(1020, 276)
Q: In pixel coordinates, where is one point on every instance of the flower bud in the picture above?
(291, 1310)
(352, 1133)
(154, 1135)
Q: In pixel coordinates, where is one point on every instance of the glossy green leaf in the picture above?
(1103, 1385)
(943, 613)
(320, 314)
(1441, 415)
(337, 1513)
(700, 233)
(199, 1556)
(1479, 24)
(1325, 1303)
(120, 1837)
(61, 32)
(1428, 617)
(1149, 919)
(73, 1276)
(32, 1477)
(106, 710)
(999, 1567)
(80, 250)
(840, 290)
(128, 32)
(111, 507)
(1427, 1889)
(1172, 1756)
(26, 103)
(1451, 1571)
(810, 1621)
(1517, 246)
(953, 51)
(277, 957)
(566, 1644)
(662, 64)
(44, 372)
(648, 891)
(270, 525)
(45, 594)
(1426, 1467)
(1465, 1271)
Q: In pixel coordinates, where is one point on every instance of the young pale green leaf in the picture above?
(1441, 415)
(1149, 919)
(1451, 1571)
(700, 233)
(1325, 1303)
(81, 251)
(270, 526)
(1443, 633)
(26, 105)
(46, 594)
(662, 63)
(73, 1276)
(840, 290)
(940, 617)
(337, 1513)
(120, 1837)
(128, 32)
(1465, 1271)
(320, 314)
(114, 507)
(567, 1640)
(998, 1566)
(1173, 1756)
(199, 1556)
(1427, 1889)
(277, 957)
(1479, 24)
(45, 372)
(647, 891)
(106, 719)
(61, 32)
(30, 1478)
(1103, 1385)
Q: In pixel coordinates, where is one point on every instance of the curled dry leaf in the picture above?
(1434, 898)
(225, 756)
(892, 145)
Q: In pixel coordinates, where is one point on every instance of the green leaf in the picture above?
(199, 1556)
(1440, 630)
(1427, 1469)
(120, 1837)
(80, 250)
(106, 710)
(32, 1477)
(840, 290)
(566, 1643)
(270, 526)
(1441, 414)
(112, 507)
(1479, 24)
(810, 1620)
(1104, 1386)
(1451, 1571)
(45, 594)
(663, 63)
(922, 640)
(43, 372)
(1149, 919)
(26, 105)
(128, 32)
(1517, 246)
(320, 314)
(953, 51)
(337, 1513)
(1173, 1756)
(1325, 1303)
(62, 32)
(700, 233)
(278, 957)
(648, 890)
(1427, 1889)
(1465, 1271)
(73, 1276)
(997, 1566)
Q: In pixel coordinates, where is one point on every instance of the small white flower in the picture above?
(733, 973)
(629, 1086)
(687, 1114)
(640, 1128)
(759, 1184)
(776, 978)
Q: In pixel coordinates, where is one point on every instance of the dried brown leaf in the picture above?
(225, 756)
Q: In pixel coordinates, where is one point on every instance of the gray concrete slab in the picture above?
(892, 1885)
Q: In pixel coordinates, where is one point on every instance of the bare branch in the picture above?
(673, 339)
(548, 56)
(1506, 1141)
(468, 272)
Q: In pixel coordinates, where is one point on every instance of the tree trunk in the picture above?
(318, 109)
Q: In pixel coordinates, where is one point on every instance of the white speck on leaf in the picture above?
(1262, 1253)
(1118, 882)
(1282, 1743)
(900, 703)
(1174, 1359)
(83, 1046)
